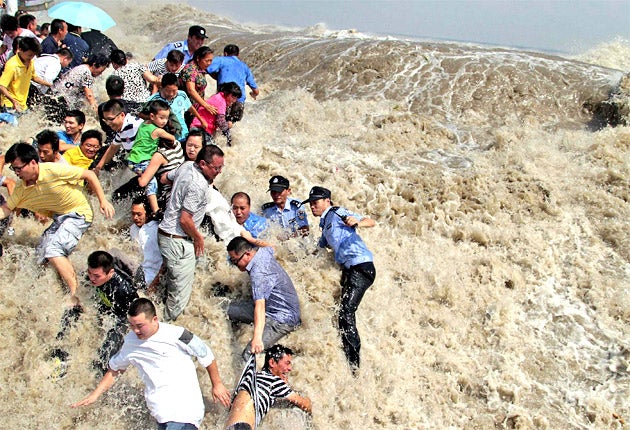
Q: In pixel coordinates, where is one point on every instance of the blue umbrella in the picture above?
(82, 14)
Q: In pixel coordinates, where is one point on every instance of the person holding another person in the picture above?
(241, 208)
(196, 38)
(83, 156)
(162, 354)
(275, 308)
(284, 210)
(228, 94)
(193, 78)
(339, 232)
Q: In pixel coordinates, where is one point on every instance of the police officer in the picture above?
(284, 210)
(339, 232)
(196, 38)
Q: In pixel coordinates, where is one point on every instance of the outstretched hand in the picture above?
(221, 394)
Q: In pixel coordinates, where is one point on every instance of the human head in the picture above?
(118, 58)
(65, 57)
(203, 57)
(278, 361)
(279, 190)
(194, 142)
(23, 160)
(114, 114)
(59, 28)
(143, 318)
(74, 28)
(47, 145)
(28, 22)
(74, 122)
(140, 210)
(97, 63)
(169, 87)
(159, 111)
(9, 25)
(210, 161)
(196, 37)
(241, 207)
(91, 142)
(231, 91)
(319, 199)
(115, 86)
(100, 267)
(241, 252)
(28, 48)
(44, 30)
(231, 50)
(174, 60)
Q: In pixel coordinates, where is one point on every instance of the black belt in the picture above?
(172, 236)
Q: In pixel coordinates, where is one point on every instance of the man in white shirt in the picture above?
(48, 66)
(144, 232)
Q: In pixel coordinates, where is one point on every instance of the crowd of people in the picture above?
(159, 124)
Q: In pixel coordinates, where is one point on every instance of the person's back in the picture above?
(98, 42)
(76, 45)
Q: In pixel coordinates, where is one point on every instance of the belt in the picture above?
(172, 236)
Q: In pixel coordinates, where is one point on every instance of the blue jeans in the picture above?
(172, 425)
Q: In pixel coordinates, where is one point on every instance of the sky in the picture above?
(556, 26)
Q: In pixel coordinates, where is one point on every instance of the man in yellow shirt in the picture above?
(83, 155)
(18, 73)
(57, 191)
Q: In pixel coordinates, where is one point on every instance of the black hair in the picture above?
(56, 26)
(29, 44)
(208, 152)
(98, 60)
(142, 306)
(46, 137)
(231, 88)
(231, 50)
(101, 259)
(114, 106)
(79, 115)
(92, 134)
(169, 79)
(239, 245)
(156, 106)
(25, 152)
(241, 194)
(115, 86)
(65, 52)
(175, 56)
(72, 28)
(275, 353)
(8, 23)
(25, 20)
(200, 53)
(142, 200)
(118, 57)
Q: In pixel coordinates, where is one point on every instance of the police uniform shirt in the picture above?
(292, 217)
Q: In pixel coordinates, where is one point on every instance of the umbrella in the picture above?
(82, 14)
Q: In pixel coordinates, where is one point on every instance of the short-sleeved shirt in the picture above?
(72, 85)
(348, 246)
(178, 46)
(75, 157)
(189, 193)
(65, 137)
(59, 190)
(158, 67)
(172, 391)
(218, 101)
(145, 146)
(292, 217)
(192, 73)
(127, 134)
(47, 67)
(115, 295)
(255, 224)
(269, 388)
(272, 283)
(179, 105)
(16, 78)
(49, 45)
(78, 47)
(232, 69)
(135, 86)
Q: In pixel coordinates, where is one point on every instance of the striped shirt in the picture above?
(269, 388)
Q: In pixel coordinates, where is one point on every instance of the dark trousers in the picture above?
(354, 283)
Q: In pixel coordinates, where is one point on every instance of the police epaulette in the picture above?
(268, 205)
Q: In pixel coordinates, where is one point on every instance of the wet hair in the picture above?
(142, 306)
(65, 52)
(231, 50)
(98, 60)
(29, 44)
(25, 152)
(75, 113)
(200, 53)
(156, 106)
(25, 20)
(8, 23)
(169, 79)
(240, 195)
(142, 200)
(101, 259)
(174, 56)
(48, 137)
(92, 134)
(115, 86)
(118, 57)
(115, 107)
(239, 245)
(275, 353)
(56, 26)
(208, 152)
(231, 88)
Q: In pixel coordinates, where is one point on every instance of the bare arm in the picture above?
(259, 325)
(106, 158)
(89, 95)
(106, 207)
(157, 160)
(41, 81)
(151, 78)
(193, 94)
(303, 403)
(5, 92)
(106, 383)
(219, 392)
(161, 133)
(365, 222)
(256, 242)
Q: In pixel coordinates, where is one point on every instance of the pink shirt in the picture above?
(218, 101)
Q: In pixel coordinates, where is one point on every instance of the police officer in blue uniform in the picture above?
(284, 210)
(339, 232)
(196, 38)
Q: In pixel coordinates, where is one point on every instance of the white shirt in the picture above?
(47, 67)
(164, 362)
(146, 237)
(223, 220)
